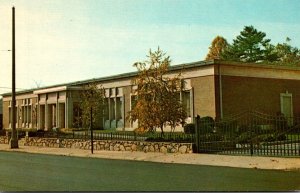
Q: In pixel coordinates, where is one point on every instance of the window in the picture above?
(133, 100)
(119, 101)
(106, 109)
(112, 108)
(186, 101)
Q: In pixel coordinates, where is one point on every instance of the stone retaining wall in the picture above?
(111, 145)
(4, 140)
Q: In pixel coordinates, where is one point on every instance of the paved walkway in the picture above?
(199, 159)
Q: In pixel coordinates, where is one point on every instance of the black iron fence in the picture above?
(117, 135)
(249, 133)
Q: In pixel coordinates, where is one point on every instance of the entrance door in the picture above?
(287, 107)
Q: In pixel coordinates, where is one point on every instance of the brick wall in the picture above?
(262, 94)
(204, 96)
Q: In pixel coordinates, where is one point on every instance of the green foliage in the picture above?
(91, 100)
(211, 137)
(287, 54)
(207, 124)
(189, 128)
(249, 46)
(252, 46)
(157, 103)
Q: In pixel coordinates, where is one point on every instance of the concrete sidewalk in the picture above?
(198, 159)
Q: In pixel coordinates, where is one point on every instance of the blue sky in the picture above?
(62, 41)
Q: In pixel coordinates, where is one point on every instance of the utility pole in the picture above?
(13, 143)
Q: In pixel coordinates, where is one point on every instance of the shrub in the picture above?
(244, 137)
(207, 124)
(281, 137)
(189, 128)
(140, 130)
(211, 137)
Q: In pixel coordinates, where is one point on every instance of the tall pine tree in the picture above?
(250, 46)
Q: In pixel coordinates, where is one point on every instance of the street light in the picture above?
(13, 143)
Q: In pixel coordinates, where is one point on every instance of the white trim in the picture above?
(48, 90)
(260, 72)
(282, 95)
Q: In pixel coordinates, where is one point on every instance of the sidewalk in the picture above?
(198, 159)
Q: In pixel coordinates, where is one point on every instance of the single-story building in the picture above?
(1, 114)
(213, 88)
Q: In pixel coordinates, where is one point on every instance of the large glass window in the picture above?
(77, 117)
(112, 108)
(186, 101)
(119, 107)
(106, 109)
(133, 101)
(9, 112)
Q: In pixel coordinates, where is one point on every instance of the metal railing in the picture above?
(119, 135)
(249, 133)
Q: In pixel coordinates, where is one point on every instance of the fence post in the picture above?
(197, 133)
(251, 134)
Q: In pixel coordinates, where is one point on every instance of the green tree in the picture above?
(218, 46)
(287, 54)
(91, 97)
(249, 46)
(155, 92)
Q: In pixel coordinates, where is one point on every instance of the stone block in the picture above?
(183, 149)
(163, 149)
(133, 147)
(145, 149)
(151, 148)
(128, 148)
(122, 148)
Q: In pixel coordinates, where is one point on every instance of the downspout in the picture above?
(220, 91)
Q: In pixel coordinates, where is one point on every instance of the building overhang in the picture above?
(56, 89)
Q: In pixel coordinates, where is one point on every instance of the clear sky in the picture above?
(60, 41)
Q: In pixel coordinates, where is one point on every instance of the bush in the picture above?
(189, 128)
(207, 124)
(281, 137)
(212, 137)
(244, 137)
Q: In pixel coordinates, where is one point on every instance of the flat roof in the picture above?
(113, 77)
(171, 68)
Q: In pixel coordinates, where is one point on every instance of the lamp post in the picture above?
(13, 143)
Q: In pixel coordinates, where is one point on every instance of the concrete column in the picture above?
(116, 120)
(109, 112)
(27, 115)
(58, 115)
(38, 116)
(123, 111)
(192, 103)
(66, 112)
(46, 117)
(69, 112)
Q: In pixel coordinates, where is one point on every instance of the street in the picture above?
(36, 172)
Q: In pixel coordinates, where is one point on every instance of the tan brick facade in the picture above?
(214, 88)
(204, 96)
(262, 94)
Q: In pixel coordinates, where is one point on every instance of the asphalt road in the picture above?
(37, 172)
